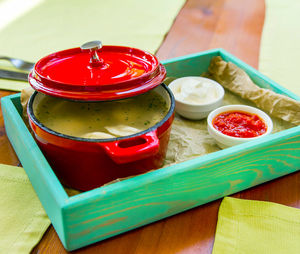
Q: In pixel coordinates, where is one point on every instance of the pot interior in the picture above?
(102, 120)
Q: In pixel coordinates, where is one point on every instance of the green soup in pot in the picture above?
(101, 120)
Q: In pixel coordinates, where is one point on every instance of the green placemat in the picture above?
(248, 227)
(23, 219)
(280, 44)
(56, 25)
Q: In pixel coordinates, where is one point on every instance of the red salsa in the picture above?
(239, 124)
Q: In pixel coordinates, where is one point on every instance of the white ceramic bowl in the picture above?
(196, 111)
(225, 141)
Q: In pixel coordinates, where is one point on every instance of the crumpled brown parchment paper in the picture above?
(237, 81)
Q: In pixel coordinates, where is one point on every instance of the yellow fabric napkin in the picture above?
(246, 226)
(23, 219)
(56, 25)
(280, 43)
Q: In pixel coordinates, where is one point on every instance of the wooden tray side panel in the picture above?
(197, 64)
(191, 65)
(42, 178)
(182, 186)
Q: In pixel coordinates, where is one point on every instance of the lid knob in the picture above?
(93, 47)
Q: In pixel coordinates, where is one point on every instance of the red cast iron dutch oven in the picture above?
(96, 73)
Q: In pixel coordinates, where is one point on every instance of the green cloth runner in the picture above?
(56, 25)
(280, 44)
(247, 226)
(23, 219)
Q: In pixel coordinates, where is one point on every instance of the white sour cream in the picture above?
(195, 90)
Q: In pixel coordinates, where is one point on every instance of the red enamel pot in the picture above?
(84, 163)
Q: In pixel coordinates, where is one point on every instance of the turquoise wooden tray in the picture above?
(113, 209)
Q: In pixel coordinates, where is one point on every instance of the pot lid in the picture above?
(97, 73)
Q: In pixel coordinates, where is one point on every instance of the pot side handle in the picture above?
(133, 149)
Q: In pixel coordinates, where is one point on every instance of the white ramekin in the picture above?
(197, 111)
(225, 141)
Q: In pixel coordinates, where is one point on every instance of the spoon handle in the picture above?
(13, 75)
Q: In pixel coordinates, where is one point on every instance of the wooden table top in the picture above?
(235, 26)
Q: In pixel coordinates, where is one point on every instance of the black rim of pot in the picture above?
(152, 128)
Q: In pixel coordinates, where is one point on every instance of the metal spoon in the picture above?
(18, 63)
